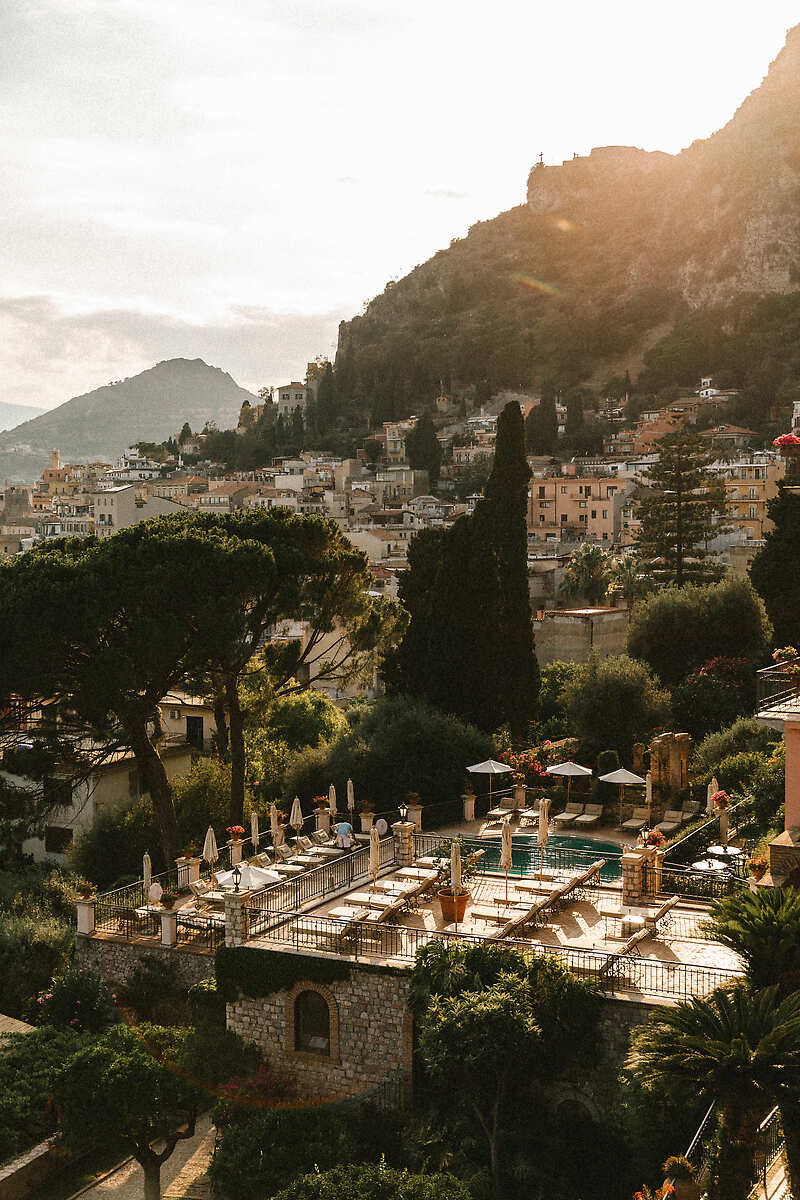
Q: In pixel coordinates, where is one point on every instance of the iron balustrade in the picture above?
(528, 857)
(666, 881)
(200, 932)
(124, 921)
(777, 683)
(694, 844)
(362, 940)
(325, 880)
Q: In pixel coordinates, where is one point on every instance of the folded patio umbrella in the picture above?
(544, 818)
(332, 802)
(254, 830)
(506, 849)
(374, 854)
(210, 851)
(296, 817)
(274, 825)
(147, 874)
(351, 798)
(455, 873)
(712, 788)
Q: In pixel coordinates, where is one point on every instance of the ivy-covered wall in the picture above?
(248, 971)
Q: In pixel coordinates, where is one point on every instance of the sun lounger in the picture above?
(691, 811)
(500, 913)
(661, 919)
(612, 965)
(288, 870)
(569, 815)
(592, 815)
(321, 838)
(526, 916)
(673, 819)
(199, 888)
(320, 852)
(637, 821)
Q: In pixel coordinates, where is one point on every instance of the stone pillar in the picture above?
(633, 862)
(169, 927)
(403, 843)
(323, 819)
(791, 736)
(415, 814)
(468, 800)
(236, 922)
(657, 863)
(684, 743)
(236, 851)
(188, 871)
(86, 916)
(366, 821)
(520, 795)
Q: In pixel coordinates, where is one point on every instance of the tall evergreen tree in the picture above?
(775, 571)
(423, 449)
(541, 425)
(469, 645)
(677, 514)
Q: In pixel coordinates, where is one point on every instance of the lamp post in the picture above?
(403, 810)
(237, 877)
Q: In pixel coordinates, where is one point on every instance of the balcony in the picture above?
(778, 692)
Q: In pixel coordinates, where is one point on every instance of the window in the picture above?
(312, 1023)
(582, 518)
(541, 493)
(563, 491)
(605, 514)
(753, 493)
(594, 514)
(753, 512)
(57, 839)
(563, 518)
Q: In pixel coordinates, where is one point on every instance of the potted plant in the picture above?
(454, 904)
(679, 1174)
(652, 837)
(788, 444)
(86, 890)
(758, 867)
(192, 850)
(169, 899)
(236, 832)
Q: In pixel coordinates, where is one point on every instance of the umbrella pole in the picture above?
(506, 885)
(621, 793)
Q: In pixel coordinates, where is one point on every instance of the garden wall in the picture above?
(115, 961)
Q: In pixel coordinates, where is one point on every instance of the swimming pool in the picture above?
(563, 852)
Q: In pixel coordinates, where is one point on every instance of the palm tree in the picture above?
(764, 930)
(742, 1050)
(586, 574)
(626, 579)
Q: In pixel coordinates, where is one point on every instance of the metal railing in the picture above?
(365, 941)
(528, 856)
(768, 1146)
(320, 882)
(665, 881)
(777, 683)
(200, 932)
(694, 844)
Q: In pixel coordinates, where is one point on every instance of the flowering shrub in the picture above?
(757, 866)
(653, 837)
(787, 439)
(77, 1000)
(719, 799)
(262, 1089)
(784, 654)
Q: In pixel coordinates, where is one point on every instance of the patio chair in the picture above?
(324, 840)
(264, 860)
(199, 888)
(287, 855)
(592, 815)
(529, 817)
(322, 852)
(637, 821)
(691, 811)
(612, 967)
(659, 921)
(503, 809)
(673, 819)
(573, 810)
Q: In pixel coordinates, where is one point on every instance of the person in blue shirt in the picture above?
(344, 835)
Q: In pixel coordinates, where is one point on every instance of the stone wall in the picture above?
(370, 1027)
(115, 961)
(572, 636)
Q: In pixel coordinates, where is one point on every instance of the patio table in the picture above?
(723, 852)
(709, 866)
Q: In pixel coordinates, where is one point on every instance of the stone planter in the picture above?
(366, 821)
(168, 904)
(453, 907)
(685, 1189)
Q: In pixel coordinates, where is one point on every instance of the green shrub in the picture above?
(613, 703)
(365, 1182)
(553, 722)
(34, 948)
(206, 1005)
(152, 989)
(768, 789)
(242, 971)
(77, 999)
(713, 696)
(745, 734)
(29, 1063)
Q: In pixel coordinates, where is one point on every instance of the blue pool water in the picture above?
(564, 851)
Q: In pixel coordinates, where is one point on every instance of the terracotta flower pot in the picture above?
(685, 1189)
(453, 907)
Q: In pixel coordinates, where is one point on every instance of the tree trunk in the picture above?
(157, 785)
(221, 722)
(791, 1133)
(735, 1160)
(236, 730)
(152, 1178)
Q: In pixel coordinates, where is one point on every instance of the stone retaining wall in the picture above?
(115, 961)
(370, 1027)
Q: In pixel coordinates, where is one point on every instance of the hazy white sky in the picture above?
(229, 180)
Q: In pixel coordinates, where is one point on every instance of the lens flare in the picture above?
(538, 285)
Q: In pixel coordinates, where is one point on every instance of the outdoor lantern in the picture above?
(237, 877)
(403, 810)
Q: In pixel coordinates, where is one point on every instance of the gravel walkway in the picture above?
(182, 1176)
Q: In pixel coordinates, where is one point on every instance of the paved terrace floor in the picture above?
(579, 925)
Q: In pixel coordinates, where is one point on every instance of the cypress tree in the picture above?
(423, 449)
(775, 571)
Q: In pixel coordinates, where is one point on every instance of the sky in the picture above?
(228, 181)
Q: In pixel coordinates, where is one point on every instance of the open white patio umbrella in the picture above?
(250, 878)
(544, 819)
(374, 855)
(332, 802)
(625, 779)
(254, 830)
(275, 826)
(210, 851)
(455, 873)
(711, 790)
(296, 817)
(506, 849)
(490, 767)
(569, 770)
(351, 799)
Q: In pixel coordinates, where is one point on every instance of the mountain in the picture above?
(610, 253)
(14, 414)
(146, 407)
